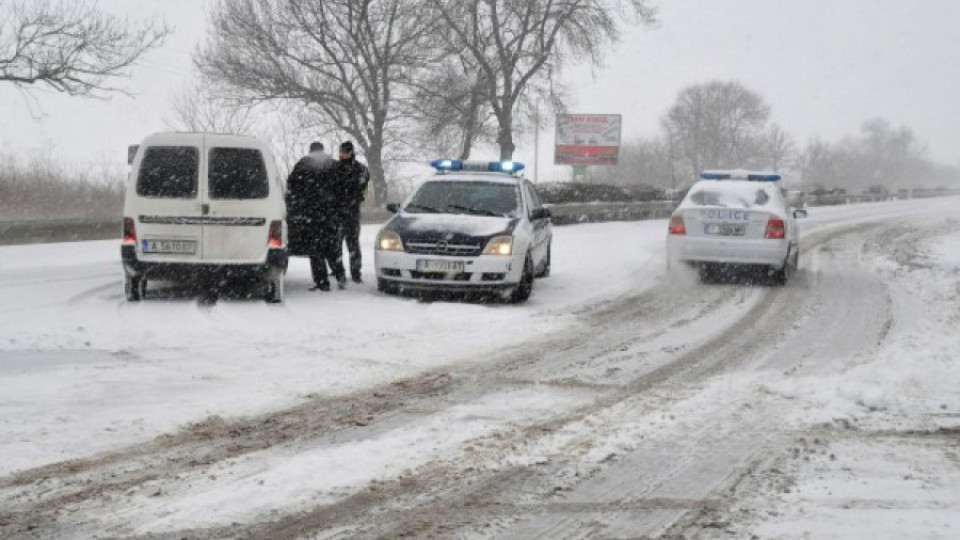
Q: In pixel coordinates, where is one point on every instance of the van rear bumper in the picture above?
(276, 263)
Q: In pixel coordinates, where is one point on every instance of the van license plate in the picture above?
(180, 247)
(435, 265)
(725, 229)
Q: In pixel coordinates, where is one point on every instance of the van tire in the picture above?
(135, 288)
(273, 290)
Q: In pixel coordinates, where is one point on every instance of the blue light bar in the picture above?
(447, 164)
(509, 167)
(740, 175)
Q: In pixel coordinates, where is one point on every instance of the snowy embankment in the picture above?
(85, 371)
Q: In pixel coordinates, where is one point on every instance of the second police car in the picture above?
(473, 227)
(735, 219)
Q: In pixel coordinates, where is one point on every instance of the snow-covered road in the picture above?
(620, 402)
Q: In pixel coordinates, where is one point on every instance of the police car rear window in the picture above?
(237, 173)
(168, 172)
(729, 196)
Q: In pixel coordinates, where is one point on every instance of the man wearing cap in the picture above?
(353, 180)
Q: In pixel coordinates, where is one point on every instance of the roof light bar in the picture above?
(740, 175)
(509, 167)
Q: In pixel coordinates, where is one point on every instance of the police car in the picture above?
(473, 227)
(735, 219)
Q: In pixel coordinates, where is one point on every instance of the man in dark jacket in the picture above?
(354, 178)
(314, 213)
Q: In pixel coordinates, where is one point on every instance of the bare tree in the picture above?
(195, 108)
(717, 124)
(515, 45)
(350, 61)
(69, 46)
(818, 164)
(644, 162)
(450, 110)
(779, 148)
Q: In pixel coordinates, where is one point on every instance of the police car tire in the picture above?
(545, 271)
(384, 286)
(273, 290)
(523, 289)
(135, 288)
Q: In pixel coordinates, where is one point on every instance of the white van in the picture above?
(203, 206)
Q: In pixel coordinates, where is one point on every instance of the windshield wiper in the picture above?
(472, 210)
(429, 209)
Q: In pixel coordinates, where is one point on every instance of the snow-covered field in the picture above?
(82, 371)
(85, 371)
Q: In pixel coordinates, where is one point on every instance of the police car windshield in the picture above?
(729, 195)
(460, 197)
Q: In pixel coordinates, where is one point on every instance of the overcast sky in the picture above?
(824, 66)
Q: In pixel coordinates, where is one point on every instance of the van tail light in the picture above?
(677, 226)
(129, 231)
(275, 239)
(776, 229)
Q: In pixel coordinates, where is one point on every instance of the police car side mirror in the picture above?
(800, 213)
(540, 213)
(393, 208)
(132, 153)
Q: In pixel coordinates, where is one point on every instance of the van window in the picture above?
(168, 172)
(237, 173)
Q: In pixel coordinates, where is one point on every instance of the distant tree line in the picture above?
(41, 188)
(723, 125)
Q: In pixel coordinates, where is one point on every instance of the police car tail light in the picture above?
(776, 229)
(389, 241)
(275, 237)
(129, 231)
(500, 245)
(677, 225)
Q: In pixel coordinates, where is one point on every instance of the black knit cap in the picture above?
(346, 146)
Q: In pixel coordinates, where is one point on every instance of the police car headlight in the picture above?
(500, 245)
(389, 241)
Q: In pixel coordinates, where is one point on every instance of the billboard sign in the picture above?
(587, 139)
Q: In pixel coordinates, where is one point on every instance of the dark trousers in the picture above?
(351, 233)
(329, 251)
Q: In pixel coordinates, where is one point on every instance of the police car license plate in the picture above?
(180, 247)
(439, 265)
(725, 229)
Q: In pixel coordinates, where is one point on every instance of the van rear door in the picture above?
(168, 206)
(238, 197)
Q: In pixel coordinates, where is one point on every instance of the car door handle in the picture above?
(205, 209)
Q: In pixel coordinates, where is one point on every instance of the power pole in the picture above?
(536, 141)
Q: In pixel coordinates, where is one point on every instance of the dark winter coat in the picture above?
(354, 177)
(315, 200)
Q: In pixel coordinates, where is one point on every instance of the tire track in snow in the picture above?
(85, 482)
(219, 440)
(438, 492)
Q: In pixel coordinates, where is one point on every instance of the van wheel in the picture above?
(523, 289)
(135, 288)
(273, 293)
